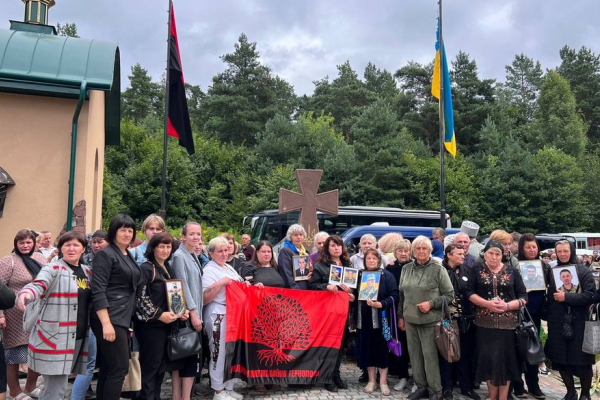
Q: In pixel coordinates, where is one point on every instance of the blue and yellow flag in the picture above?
(447, 112)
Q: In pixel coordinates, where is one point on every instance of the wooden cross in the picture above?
(308, 201)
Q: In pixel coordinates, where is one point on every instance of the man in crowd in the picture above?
(463, 239)
(46, 247)
(247, 248)
(439, 234)
(472, 229)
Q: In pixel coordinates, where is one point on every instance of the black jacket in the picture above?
(114, 282)
(561, 351)
(320, 276)
(286, 266)
(459, 283)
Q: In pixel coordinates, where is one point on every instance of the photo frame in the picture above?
(335, 274)
(301, 268)
(369, 285)
(533, 275)
(350, 277)
(175, 296)
(562, 279)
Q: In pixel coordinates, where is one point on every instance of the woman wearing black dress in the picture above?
(262, 269)
(498, 292)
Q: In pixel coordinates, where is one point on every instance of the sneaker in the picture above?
(537, 394)
(337, 380)
(400, 385)
(448, 395)
(235, 394)
(520, 393)
(419, 394)
(544, 371)
(90, 394)
(222, 396)
(414, 388)
(470, 394)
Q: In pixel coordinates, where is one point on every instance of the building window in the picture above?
(5, 183)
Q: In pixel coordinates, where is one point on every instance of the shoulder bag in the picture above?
(591, 334)
(393, 343)
(529, 345)
(447, 337)
(183, 341)
(133, 379)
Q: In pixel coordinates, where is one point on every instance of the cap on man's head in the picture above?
(371, 277)
(470, 228)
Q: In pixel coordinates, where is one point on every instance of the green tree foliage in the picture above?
(143, 97)
(582, 70)
(244, 97)
(523, 162)
(67, 30)
(557, 121)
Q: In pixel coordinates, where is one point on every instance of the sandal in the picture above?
(35, 393)
(385, 390)
(370, 388)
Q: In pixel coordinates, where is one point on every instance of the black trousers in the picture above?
(338, 362)
(531, 371)
(464, 366)
(113, 361)
(153, 341)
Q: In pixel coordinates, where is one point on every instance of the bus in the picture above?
(585, 242)
(270, 225)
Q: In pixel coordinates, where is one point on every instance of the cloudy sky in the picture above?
(303, 40)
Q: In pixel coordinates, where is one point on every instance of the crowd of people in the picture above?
(104, 300)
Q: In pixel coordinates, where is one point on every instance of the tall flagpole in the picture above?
(442, 135)
(163, 195)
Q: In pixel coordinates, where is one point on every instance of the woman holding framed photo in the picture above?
(334, 253)
(371, 345)
(292, 246)
(154, 320)
(567, 313)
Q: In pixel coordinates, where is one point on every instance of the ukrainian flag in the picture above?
(447, 112)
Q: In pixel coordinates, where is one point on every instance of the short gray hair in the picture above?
(319, 234)
(295, 228)
(216, 243)
(368, 236)
(421, 240)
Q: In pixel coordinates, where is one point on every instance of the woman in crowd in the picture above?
(17, 270)
(217, 275)
(528, 249)
(387, 243)
(154, 320)
(462, 311)
(372, 346)
(152, 225)
(82, 386)
(263, 268)
(232, 257)
(116, 277)
(367, 241)
(187, 267)
(292, 246)
(399, 365)
(52, 350)
(423, 283)
(334, 253)
(574, 299)
(498, 292)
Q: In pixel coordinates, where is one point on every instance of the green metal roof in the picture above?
(57, 65)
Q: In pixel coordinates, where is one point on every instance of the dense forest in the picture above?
(527, 143)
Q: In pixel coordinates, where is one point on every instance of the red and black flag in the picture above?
(283, 335)
(178, 117)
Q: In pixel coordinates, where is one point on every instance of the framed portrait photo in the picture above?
(350, 277)
(335, 275)
(533, 275)
(566, 278)
(175, 297)
(301, 268)
(369, 285)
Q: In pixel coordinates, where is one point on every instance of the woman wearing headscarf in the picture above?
(334, 252)
(423, 284)
(17, 270)
(292, 246)
(58, 341)
(565, 352)
(498, 292)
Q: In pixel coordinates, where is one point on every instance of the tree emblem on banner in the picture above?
(280, 323)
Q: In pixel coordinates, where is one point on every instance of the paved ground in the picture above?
(551, 386)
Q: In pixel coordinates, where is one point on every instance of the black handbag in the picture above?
(567, 332)
(529, 345)
(183, 341)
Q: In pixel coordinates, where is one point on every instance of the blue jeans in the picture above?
(82, 382)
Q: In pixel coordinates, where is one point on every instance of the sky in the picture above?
(303, 41)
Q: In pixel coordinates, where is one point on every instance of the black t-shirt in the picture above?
(84, 294)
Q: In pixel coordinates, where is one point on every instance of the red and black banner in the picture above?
(178, 123)
(283, 335)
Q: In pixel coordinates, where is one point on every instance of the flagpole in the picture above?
(442, 136)
(163, 195)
